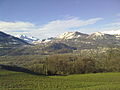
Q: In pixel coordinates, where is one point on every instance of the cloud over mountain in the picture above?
(57, 27)
(51, 29)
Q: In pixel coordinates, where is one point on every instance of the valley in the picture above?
(72, 61)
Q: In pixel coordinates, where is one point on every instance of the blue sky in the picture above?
(46, 18)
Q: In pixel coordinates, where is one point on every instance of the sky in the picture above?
(49, 18)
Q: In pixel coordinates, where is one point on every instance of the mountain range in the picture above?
(87, 41)
(66, 42)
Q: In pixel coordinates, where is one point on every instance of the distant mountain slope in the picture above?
(57, 46)
(8, 42)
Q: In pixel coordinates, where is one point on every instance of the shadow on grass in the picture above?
(18, 69)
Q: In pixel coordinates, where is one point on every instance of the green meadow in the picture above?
(11, 80)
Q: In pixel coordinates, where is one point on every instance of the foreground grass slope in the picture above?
(10, 80)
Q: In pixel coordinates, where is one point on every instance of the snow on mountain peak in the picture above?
(71, 35)
(26, 38)
(98, 34)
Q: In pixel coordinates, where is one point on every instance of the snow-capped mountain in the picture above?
(77, 35)
(72, 39)
(72, 35)
(97, 34)
(79, 40)
(86, 41)
(27, 39)
(100, 35)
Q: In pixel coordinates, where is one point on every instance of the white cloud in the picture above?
(113, 24)
(57, 27)
(111, 28)
(15, 26)
(67, 24)
(53, 28)
(112, 31)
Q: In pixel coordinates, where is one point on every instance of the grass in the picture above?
(10, 80)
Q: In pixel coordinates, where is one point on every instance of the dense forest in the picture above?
(92, 61)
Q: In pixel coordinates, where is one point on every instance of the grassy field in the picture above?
(10, 80)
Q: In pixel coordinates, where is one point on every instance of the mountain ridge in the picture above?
(9, 42)
(59, 45)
